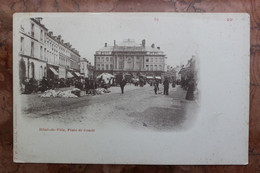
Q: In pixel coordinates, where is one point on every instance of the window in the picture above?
(41, 37)
(41, 52)
(45, 72)
(107, 59)
(32, 48)
(22, 41)
(151, 59)
(155, 67)
(44, 53)
(121, 65)
(151, 67)
(32, 30)
(147, 60)
(129, 60)
(41, 72)
(98, 66)
(147, 67)
(32, 70)
(155, 59)
(111, 59)
(111, 66)
(98, 59)
(107, 67)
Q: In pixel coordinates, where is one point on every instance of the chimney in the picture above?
(105, 44)
(143, 43)
(50, 33)
(59, 37)
(152, 45)
(158, 48)
(61, 41)
(114, 43)
(67, 44)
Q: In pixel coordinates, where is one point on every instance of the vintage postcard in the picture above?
(131, 88)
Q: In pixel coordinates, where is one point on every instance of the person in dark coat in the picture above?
(156, 86)
(190, 91)
(122, 85)
(166, 87)
(44, 84)
(173, 84)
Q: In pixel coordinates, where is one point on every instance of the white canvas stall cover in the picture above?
(106, 77)
(69, 75)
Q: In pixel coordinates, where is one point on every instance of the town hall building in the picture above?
(130, 58)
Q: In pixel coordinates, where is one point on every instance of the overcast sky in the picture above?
(88, 32)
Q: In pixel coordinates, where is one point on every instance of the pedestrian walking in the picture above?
(157, 84)
(166, 87)
(122, 85)
(156, 87)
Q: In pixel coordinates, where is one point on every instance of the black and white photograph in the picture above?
(131, 88)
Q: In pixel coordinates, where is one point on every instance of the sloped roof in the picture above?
(131, 46)
(129, 43)
(108, 48)
(151, 49)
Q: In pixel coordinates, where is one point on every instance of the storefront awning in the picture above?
(54, 71)
(149, 77)
(69, 75)
(158, 77)
(77, 74)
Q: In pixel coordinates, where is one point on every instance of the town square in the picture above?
(127, 82)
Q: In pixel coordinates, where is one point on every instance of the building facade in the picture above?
(131, 58)
(190, 70)
(44, 55)
(33, 57)
(86, 69)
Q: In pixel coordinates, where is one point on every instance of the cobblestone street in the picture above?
(137, 108)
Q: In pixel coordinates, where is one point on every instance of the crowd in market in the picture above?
(90, 85)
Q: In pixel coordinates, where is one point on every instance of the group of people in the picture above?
(155, 83)
(166, 84)
(190, 86)
(31, 85)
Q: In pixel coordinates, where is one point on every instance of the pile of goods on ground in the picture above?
(73, 93)
(98, 91)
(53, 93)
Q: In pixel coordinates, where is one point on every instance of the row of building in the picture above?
(130, 58)
(44, 55)
(183, 72)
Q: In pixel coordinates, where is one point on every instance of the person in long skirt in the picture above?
(190, 91)
(166, 87)
(122, 85)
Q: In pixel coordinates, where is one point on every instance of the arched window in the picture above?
(22, 71)
(32, 70)
(45, 72)
(41, 72)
